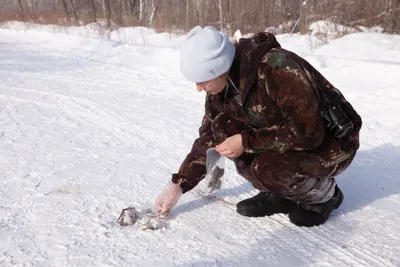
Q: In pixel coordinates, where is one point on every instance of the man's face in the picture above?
(214, 86)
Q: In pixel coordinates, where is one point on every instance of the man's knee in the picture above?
(272, 172)
(274, 166)
(282, 175)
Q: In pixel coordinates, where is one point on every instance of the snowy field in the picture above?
(89, 126)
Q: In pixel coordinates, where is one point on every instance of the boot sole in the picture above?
(324, 219)
(265, 206)
(247, 213)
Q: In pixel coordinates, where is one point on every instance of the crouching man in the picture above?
(288, 130)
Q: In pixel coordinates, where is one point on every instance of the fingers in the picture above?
(219, 148)
(224, 152)
(230, 149)
(229, 153)
(160, 208)
(166, 208)
(157, 207)
(223, 149)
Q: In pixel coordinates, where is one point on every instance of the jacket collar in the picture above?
(249, 53)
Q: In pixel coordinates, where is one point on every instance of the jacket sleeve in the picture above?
(193, 168)
(303, 126)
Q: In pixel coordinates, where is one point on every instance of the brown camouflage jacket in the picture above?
(276, 95)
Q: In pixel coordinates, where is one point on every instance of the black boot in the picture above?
(316, 214)
(264, 204)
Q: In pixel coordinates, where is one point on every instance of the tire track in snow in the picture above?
(90, 112)
(315, 235)
(73, 108)
(94, 82)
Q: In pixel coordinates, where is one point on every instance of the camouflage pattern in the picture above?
(273, 102)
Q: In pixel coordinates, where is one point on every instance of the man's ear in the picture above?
(224, 76)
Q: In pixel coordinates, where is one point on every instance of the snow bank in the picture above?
(332, 30)
(321, 32)
(125, 35)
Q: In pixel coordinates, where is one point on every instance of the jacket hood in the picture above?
(249, 53)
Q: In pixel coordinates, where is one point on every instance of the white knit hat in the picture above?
(206, 54)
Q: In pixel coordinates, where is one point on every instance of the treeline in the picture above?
(229, 15)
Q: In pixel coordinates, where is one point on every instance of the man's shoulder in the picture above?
(280, 58)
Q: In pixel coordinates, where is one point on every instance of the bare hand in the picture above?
(232, 147)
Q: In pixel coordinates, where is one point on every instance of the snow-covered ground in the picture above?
(90, 126)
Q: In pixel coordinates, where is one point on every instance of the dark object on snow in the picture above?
(147, 219)
(127, 217)
(265, 204)
(316, 214)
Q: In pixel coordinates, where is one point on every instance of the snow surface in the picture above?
(89, 126)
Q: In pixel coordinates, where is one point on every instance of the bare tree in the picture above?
(394, 15)
(198, 12)
(65, 7)
(303, 16)
(153, 10)
(220, 15)
(21, 9)
(106, 11)
(141, 8)
(73, 11)
(93, 9)
(187, 13)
